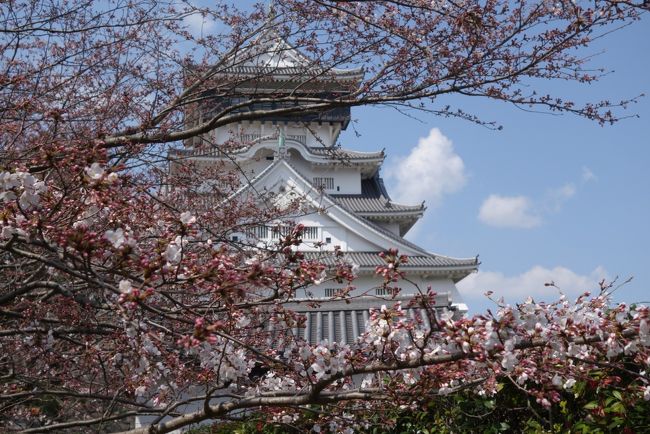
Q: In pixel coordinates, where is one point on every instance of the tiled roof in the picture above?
(371, 205)
(336, 152)
(374, 200)
(372, 260)
(301, 73)
(329, 152)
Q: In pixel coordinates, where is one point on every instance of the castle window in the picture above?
(383, 292)
(310, 233)
(331, 292)
(325, 183)
(278, 231)
(259, 232)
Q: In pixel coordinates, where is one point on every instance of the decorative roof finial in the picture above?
(282, 150)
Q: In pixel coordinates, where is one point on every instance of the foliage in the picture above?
(601, 403)
(122, 292)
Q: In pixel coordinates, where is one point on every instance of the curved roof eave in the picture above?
(307, 152)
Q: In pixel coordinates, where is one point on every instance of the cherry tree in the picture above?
(122, 293)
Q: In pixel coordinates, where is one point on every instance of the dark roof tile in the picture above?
(372, 260)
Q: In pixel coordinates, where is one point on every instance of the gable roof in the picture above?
(374, 233)
(272, 56)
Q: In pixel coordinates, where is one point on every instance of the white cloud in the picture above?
(509, 211)
(556, 198)
(525, 213)
(198, 24)
(587, 174)
(529, 283)
(430, 171)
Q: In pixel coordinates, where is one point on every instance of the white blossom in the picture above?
(116, 237)
(125, 286)
(509, 361)
(447, 316)
(321, 278)
(521, 380)
(187, 218)
(31, 189)
(95, 172)
(568, 384)
(173, 253)
(614, 348)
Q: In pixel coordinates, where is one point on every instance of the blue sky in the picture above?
(570, 199)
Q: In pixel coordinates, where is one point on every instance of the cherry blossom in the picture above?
(123, 291)
(117, 237)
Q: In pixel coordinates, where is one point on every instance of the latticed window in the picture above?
(278, 231)
(386, 291)
(310, 233)
(331, 292)
(259, 232)
(326, 183)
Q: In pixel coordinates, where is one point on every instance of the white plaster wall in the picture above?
(347, 180)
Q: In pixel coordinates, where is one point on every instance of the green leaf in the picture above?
(591, 405)
(617, 408)
(618, 395)
(616, 422)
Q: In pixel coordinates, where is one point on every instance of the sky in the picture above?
(548, 199)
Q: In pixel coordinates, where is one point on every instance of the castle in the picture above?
(344, 203)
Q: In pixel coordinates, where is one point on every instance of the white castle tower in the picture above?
(345, 205)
